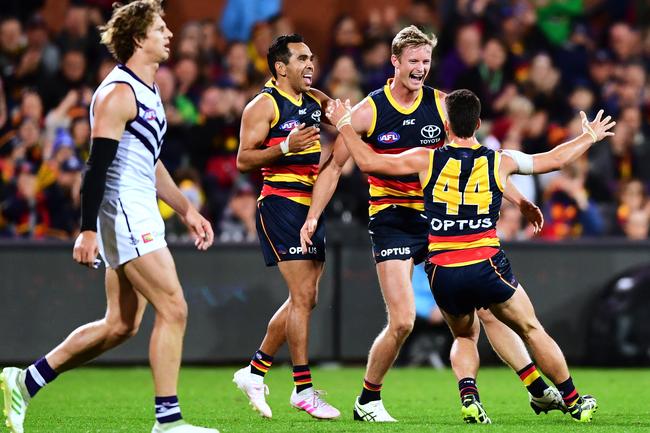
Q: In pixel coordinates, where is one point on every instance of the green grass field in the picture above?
(111, 400)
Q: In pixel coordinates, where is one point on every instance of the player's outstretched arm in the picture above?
(114, 106)
(168, 191)
(256, 122)
(413, 161)
(565, 153)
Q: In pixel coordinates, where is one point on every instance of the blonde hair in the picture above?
(127, 26)
(411, 36)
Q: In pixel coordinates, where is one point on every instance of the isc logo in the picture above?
(388, 137)
(409, 122)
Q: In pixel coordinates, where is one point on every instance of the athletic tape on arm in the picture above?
(524, 161)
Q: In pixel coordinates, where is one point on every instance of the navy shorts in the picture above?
(398, 233)
(462, 289)
(279, 221)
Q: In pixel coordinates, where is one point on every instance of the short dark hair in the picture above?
(279, 50)
(464, 110)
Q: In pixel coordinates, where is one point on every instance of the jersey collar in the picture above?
(294, 101)
(396, 105)
(474, 147)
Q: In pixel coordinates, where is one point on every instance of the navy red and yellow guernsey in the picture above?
(394, 129)
(293, 175)
(462, 195)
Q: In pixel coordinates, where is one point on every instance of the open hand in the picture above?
(598, 129)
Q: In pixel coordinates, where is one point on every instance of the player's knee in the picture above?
(175, 311)
(306, 300)
(402, 326)
(121, 330)
(529, 329)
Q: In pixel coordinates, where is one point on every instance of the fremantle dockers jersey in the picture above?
(462, 195)
(395, 129)
(133, 169)
(292, 175)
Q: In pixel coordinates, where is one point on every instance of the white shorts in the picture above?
(128, 229)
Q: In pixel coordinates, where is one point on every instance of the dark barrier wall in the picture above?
(231, 296)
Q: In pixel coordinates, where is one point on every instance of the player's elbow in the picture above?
(243, 165)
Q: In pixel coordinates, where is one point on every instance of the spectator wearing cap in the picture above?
(238, 221)
(601, 71)
(63, 197)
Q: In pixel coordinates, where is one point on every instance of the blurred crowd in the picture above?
(534, 64)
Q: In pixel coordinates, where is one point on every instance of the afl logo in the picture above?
(388, 137)
(150, 115)
(430, 131)
(289, 125)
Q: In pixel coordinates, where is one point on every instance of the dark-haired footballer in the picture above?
(463, 185)
(280, 134)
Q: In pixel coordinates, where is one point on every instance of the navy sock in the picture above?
(38, 375)
(467, 386)
(569, 392)
(260, 363)
(370, 392)
(302, 377)
(168, 409)
(532, 380)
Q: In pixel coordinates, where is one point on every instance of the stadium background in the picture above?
(533, 63)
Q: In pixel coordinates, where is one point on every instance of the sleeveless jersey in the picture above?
(293, 175)
(395, 129)
(462, 195)
(133, 171)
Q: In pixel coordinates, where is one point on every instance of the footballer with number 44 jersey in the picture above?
(463, 187)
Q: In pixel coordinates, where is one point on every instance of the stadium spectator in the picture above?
(534, 65)
(375, 65)
(346, 39)
(509, 226)
(568, 210)
(491, 79)
(632, 198)
(465, 56)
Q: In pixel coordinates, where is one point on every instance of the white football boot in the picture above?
(253, 387)
(373, 411)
